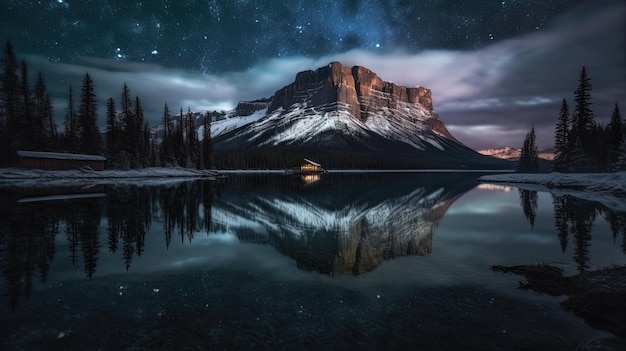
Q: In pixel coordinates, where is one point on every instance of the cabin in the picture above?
(307, 166)
(59, 161)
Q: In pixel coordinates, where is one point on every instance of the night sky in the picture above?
(495, 67)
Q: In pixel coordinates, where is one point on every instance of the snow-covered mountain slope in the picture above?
(303, 124)
(343, 117)
(350, 111)
(230, 122)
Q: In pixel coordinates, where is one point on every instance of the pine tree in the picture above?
(533, 150)
(113, 134)
(193, 149)
(39, 100)
(29, 126)
(166, 155)
(179, 141)
(528, 161)
(128, 126)
(154, 153)
(53, 133)
(581, 140)
(140, 151)
(71, 127)
(9, 99)
(561, 133)
(615, 137)
(89, 140)
(43, 113)
(620, 164)
(148, 158)
(207, 147)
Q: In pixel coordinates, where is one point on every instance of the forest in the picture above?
(581, 144)
(27, 123)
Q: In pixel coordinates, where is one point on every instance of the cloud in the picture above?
(155, 84)
(489, 96)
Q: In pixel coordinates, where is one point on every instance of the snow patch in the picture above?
(233, 122)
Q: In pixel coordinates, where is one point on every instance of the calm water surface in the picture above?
(348, 261)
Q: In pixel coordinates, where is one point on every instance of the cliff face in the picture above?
(356, 90)
(246, 108)
(351, 118)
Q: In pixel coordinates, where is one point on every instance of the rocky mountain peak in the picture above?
(356, 90)
(343, 117)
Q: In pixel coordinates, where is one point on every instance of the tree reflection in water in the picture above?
(575, 216)
(336, 225)
(528, 200)
(29, 226)
(27, 237)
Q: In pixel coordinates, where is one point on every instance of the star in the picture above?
(221, 38)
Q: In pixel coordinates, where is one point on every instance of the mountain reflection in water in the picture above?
(200, 264)
(335, 225)
(340, 226)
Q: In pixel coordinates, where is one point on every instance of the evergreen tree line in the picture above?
(581, 144)
(27, 123)
(180, 145)
(26, 119)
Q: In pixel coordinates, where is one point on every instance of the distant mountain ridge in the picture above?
(508, 153)
(342, 117)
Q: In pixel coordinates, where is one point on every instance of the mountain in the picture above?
(508, 153)
(545, 157)
(505, 153)
(342, 117)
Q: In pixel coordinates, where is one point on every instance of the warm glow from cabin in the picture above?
(308, 167)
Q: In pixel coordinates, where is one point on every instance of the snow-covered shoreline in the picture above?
(606, 188)
(37, 177)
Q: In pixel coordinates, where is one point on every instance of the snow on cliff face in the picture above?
(342, 104)
(302, 124)
(232, 122)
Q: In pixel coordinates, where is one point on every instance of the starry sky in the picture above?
(495, 67)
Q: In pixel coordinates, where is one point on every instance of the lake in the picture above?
(372, 261)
